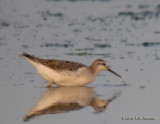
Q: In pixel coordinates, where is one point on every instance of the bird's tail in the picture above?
(27, 56)
(31, 59)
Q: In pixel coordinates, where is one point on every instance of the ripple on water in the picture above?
(91, 39)
(143, 6)
(4, 23)
(25, 46)
(106, 45)
(46, 14)
(85, 49)
(142, 15)
(105, 55)
(150, 44)
(65, 45)
(142, 87)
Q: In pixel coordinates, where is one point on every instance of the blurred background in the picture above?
(124, 33)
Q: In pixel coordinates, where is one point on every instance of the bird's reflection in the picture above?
(64, 99)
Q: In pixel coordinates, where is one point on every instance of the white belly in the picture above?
(66, 78)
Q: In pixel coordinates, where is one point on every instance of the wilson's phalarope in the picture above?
(67, 73)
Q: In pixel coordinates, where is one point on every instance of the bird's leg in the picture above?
(49, 85)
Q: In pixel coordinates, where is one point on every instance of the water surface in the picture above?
(122, 32)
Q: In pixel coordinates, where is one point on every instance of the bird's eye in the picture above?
(104, 64)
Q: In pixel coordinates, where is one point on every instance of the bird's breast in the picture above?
(78, 77)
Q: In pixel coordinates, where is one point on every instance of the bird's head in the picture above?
(100, 65)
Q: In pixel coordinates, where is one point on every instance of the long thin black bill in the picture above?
(114, 72)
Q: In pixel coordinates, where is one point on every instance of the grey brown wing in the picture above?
(60, 65)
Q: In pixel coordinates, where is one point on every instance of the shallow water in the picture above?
(122, 32)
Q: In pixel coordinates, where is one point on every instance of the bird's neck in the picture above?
(93, 69)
